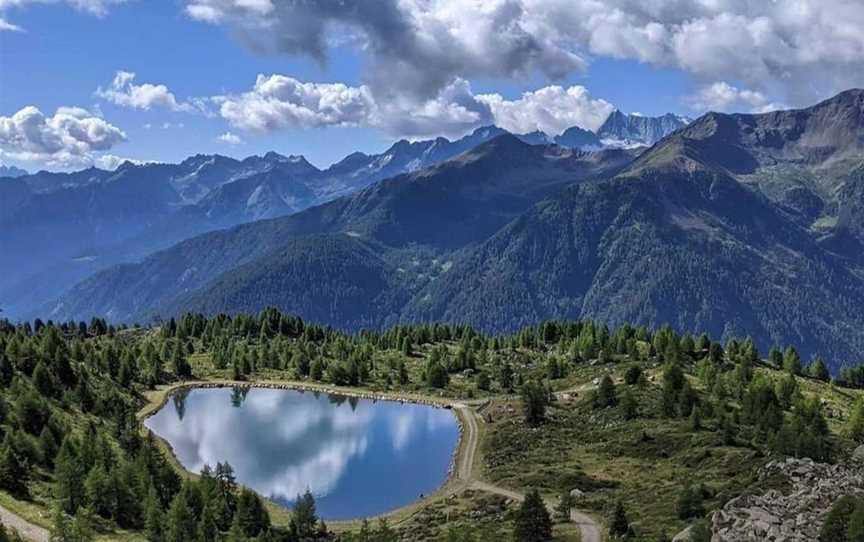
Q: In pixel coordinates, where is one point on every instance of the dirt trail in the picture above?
(589, 529)
(31, 532)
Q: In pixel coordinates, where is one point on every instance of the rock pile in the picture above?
(789, 516)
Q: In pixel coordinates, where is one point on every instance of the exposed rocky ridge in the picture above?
(795, 515)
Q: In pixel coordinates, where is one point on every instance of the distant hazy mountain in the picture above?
(61, 227)
(737, 224)
(620, 130)
(412, 223)
(578, 138)
(11, 171)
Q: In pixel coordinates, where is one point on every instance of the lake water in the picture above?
(358, 457)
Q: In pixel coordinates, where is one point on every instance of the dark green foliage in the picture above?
(532, 523)
(855, 532)
(305, 516)
(819, 370)
(154, 522)
(619, 525)
(180, 520)
(804, 433)
(13, 470)
(792, 361)
(79, 435)
(855, 425)
(605, 395)
(436, 375)
(629, 405)
(632, 375)
(835, 528)
(251, 515)
(700, 532)
(689, 503)
(535, 399)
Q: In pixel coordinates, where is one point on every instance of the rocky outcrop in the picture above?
(792, 515)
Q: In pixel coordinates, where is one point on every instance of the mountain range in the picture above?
(58, 228)
(738, 224)
(11, 171)
(744, 224)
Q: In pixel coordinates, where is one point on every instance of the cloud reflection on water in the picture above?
(282, 442)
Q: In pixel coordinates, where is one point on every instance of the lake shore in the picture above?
(459, 473)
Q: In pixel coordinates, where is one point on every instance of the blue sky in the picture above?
(208, 54)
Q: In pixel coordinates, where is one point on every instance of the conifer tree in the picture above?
(619, 525)
(180, 523)
(532, 522)
(13, 469)
(154, 518)
(605, 395)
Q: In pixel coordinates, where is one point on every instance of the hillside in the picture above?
(59, 228)
(440, 209)
(664, 428)
(698, 232)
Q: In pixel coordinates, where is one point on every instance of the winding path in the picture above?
(588, 528)
(27, 530)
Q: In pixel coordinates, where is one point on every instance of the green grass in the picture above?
(644, 462)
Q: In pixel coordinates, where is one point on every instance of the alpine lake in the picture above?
(358, 457)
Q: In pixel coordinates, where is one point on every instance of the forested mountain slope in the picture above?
(733, 223)
(439, 209)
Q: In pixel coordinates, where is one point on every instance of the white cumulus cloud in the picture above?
(279, 101)
(721, 96)
(230, 138)
(551, 109)
(68, 138)
(795, 51)
(124, 92)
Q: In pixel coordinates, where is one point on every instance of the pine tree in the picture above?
(792, 361)
(251, 515)
(629, 405)
(619, 525)
(690, 503)
(43, 381)
(68, 476)
(605, 394)
(207, 528)
(819, 370)
(13, 469)
(181, 525)
(532, 522)
(304, 517)
(47, 447)
(154, 518)
(855, 425)
(534, 401)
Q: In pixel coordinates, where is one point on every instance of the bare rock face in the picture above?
(793, 516)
